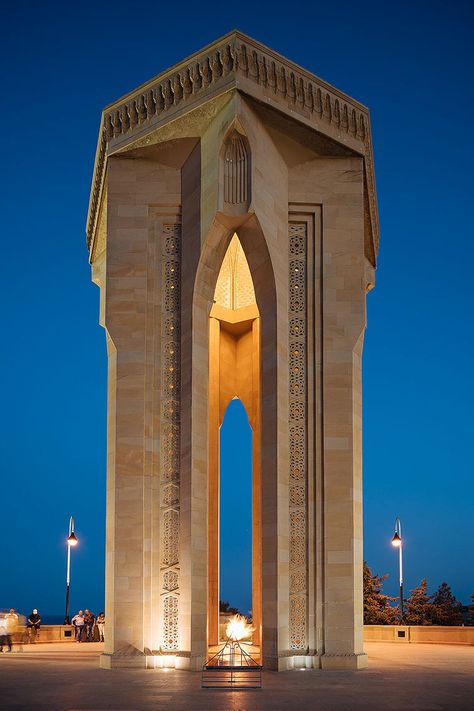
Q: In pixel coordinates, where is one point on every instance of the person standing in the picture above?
(11, 623)
(3, 631)
(78, 622)
(33, 625)
(89, 620)
(100, 622)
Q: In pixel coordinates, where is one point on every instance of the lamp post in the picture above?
(71, 542)
(397, 542)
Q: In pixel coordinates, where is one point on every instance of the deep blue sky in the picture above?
(236, 508)
(411, 63)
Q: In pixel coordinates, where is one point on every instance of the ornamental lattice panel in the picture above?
(170, 433)
(298, 623)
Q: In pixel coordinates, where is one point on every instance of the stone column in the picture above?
(127, 224)
(132, 281)
(343, 330)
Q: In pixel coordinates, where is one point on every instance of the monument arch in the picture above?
(233, 232)
(238, 340)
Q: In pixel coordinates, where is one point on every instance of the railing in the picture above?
(47, 633)
(218, 677)
(419, 634)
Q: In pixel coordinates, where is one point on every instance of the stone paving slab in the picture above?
(411, 677)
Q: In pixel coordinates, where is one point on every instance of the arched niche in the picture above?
(235, 509)
(235, 174)
(205, 420)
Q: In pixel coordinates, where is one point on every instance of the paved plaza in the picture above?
(66, 677)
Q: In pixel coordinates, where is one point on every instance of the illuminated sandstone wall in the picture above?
(163, 217)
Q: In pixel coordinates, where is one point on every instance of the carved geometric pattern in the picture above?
(170, 532)
(172, 285)
(170, 452)
(297, 454)
(297, 410)
(297, 285)
(297, 369)
(171, 368)
(170, 409)
(298, 581)
(297, 495)
(297, 251)
(171, 327)
(297, 245)
(170, 422)
(170, 624)
(298, 619)
(170, 580)
(172, 240)
(297, 327)
(297, 537)
(170, 495)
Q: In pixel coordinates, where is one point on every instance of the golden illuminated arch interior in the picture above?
(234, 371)
(234, 288)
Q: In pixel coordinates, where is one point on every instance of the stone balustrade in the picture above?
(424, 634)
(429, 634)
(47, 633)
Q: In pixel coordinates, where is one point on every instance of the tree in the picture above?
(471, 609)
(419, 609)
(377, 608)
(446, 610)
(224, 606)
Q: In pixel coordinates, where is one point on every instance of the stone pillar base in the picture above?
(175, 661)
(122, 661)
(306, 661)
(196, 663)
(344, 661)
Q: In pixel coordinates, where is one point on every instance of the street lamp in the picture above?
(398, 543)
(71, 542)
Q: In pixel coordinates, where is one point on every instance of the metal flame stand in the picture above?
(231, 668)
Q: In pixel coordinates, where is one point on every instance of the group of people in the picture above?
(85, 623)
(9, 624)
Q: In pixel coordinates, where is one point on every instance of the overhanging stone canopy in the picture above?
(236, 62)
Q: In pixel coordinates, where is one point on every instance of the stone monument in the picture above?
(233, 233)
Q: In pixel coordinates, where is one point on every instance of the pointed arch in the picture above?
(202, 442)
(235, 506)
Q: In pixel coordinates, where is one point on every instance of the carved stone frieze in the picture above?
(297, 267)
(170, 433)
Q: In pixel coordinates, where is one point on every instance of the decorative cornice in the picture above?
(236, 61)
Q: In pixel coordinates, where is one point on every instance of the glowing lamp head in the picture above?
(396, 541)
(72, 540)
